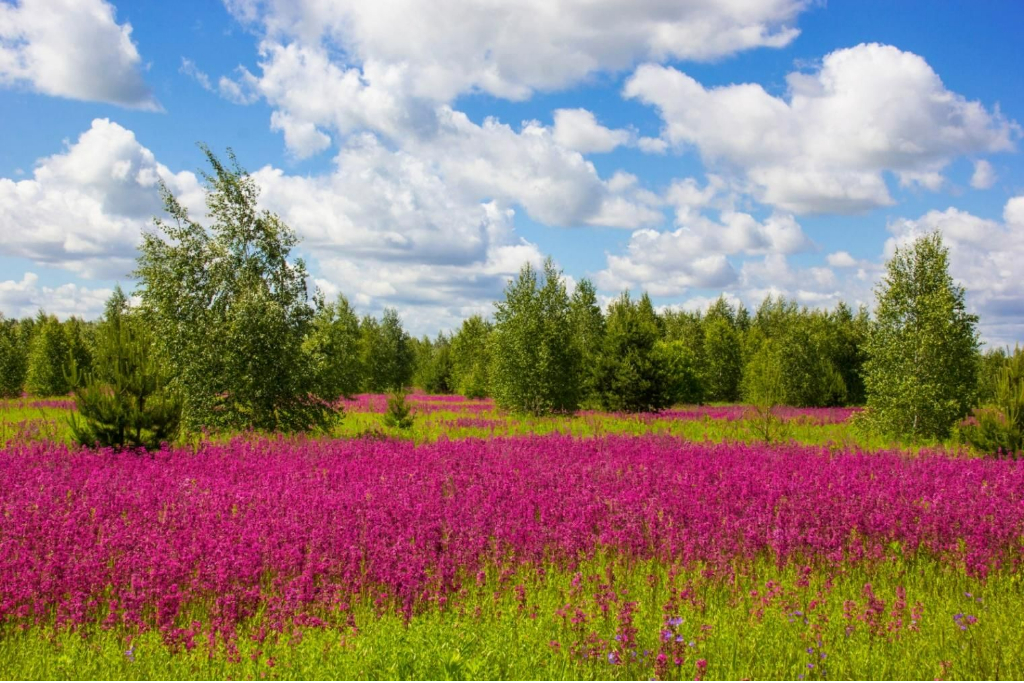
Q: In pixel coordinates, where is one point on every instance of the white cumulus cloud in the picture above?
(825, 147)
(24, 298)
(74, 49)
(578, 130)
(85, 208)
(984, 175)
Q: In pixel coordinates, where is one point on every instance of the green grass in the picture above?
(496, 631)
(20, 422)
(443, 424)
(17, 421)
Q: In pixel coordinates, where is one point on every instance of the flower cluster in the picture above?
(294, 529)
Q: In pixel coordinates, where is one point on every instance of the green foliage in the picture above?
(48, 359)
(332, 348)
(123, 401)
(13, 359)
(998, 427)
(851, 333)
(387, 353)
(723, 359)
(80, 338)
(816, 349)
(230, 312)
(764, 388)
(399, 413)
(434, 365)
(990, 368)
(631, 376)
(471, 358)
(921, 371)
(682, 372)
(535, 362)
(588, 327)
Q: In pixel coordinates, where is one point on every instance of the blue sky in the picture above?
(689, 148)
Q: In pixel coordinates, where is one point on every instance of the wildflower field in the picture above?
(480, 545)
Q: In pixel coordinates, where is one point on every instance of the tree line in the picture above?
(226, 335)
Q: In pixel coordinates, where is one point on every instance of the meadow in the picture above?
(482, 545)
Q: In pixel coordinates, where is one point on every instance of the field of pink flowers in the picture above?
(614, 557)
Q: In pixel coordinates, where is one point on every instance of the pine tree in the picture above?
(997, 428)
(723, 358)
(332, 349)
(434, 364)
(387, 353)
(922, 367)
(123, 401)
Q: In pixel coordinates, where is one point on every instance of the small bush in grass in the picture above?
(123, 401)
(998, 428)
(399, 412)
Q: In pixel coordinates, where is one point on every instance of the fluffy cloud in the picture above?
(985, 256)
(74, 49)
(555, 185)
(578, 130)
(509, 50)
(695, 255)
(384, 205)
(23, 298)
(392, 68)
(84, 209)
(824, 148)
(383, 226)
(984, 175)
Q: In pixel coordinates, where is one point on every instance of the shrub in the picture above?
(123, 401)
(765, 390)
(998, 428)
(399, 412)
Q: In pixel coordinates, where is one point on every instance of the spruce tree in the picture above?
(123, 401)
(922, 355)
